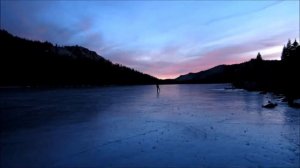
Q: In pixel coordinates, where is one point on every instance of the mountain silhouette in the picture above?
(213, 75)
(278, 76)
(32, 63)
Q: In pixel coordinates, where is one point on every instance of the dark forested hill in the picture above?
(24, 62)
(247, 71)
(214, 75)
(257, 74)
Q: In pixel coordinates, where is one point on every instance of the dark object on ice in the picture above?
(270, 105)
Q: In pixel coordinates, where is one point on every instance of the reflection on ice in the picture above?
(183, 125)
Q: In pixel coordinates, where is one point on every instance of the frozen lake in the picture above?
(133, 126)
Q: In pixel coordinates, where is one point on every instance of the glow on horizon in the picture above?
(160, 38)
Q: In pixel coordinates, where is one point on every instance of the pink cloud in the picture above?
(167, 64)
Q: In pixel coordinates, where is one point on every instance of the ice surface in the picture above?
(133, 126)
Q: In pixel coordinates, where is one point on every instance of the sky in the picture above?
(161, 38)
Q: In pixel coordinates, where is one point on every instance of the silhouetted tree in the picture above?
(289, 44)
(258, 57)
(284, 53)
(295, 44)
(289, 50)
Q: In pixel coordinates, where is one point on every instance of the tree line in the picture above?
(33, 63)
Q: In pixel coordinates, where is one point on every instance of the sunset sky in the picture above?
(162, 38)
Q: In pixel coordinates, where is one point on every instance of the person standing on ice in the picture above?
(157, 88)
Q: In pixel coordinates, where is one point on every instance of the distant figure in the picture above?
(157, 88)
